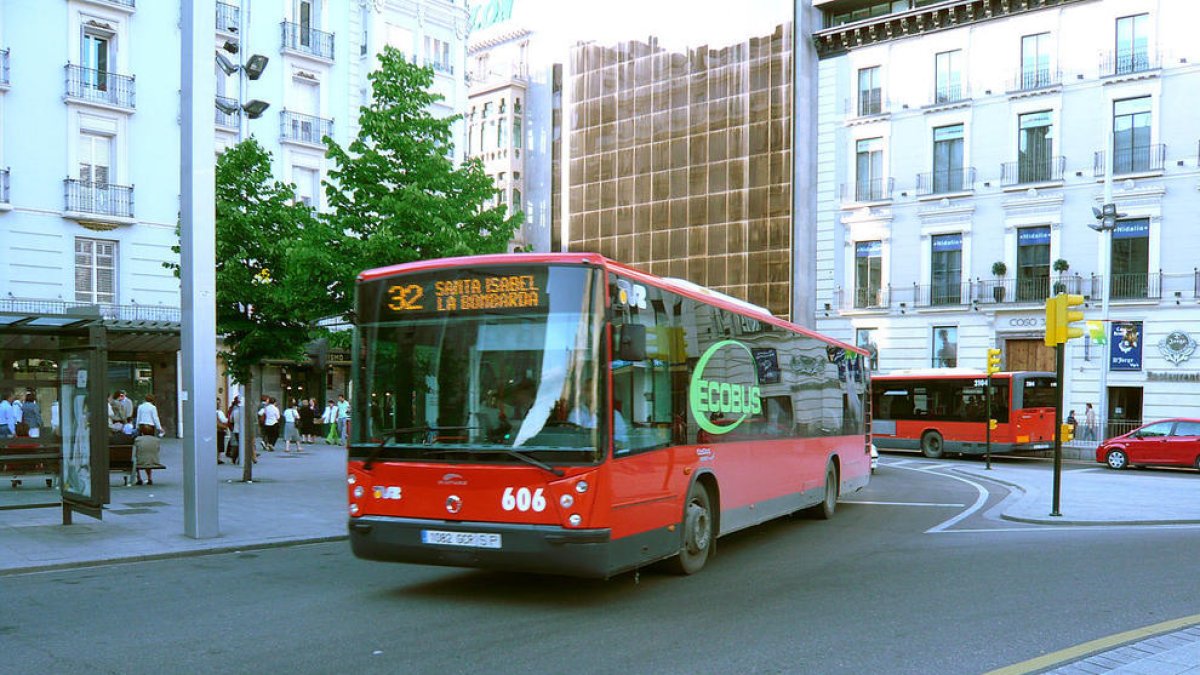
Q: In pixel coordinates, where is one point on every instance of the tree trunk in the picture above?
(249, 424)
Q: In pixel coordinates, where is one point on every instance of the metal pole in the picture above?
(1106, 290)
(196, 258)
(988, 449)
(1059, 350)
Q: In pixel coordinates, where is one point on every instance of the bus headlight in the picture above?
(351, 479)
(354, 509)
(566, 501)
(581, 487)
(358, 491)
(575, 519)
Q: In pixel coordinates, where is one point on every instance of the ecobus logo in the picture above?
(708, 396)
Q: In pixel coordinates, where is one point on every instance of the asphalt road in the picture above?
(887, 586)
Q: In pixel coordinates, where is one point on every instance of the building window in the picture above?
(868, 273)
(865, 338)
(1035, 147)
(869, 170)
(94, 56)
(516, 201)
(948, 76)
(308, 185)
(1035, 61)
(1033, 263)
(945, 346)
(948, 159)
(946, 269)
(95, 159)
(1133, 44)
(1131, 135)
(306, 16)
(437, 54)
(364, 20)
(1131, 259)
(516, 127)
(95, 271)
(870, 100)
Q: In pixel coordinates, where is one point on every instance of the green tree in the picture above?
(272, 272)
(395, 191)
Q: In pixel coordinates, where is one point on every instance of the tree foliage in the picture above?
(395, 192)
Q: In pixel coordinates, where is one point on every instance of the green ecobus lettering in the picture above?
(716, 396)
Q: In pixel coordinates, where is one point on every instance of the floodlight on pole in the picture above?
(231, 46)
(254, 108)
(226, 66)
(255, 66)
(226, 106)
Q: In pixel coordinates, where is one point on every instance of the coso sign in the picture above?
(719, 396)
(1028, 322)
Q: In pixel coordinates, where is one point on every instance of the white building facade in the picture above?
(961, 149)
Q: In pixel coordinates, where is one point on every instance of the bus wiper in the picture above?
(505, 451)
(394, 434)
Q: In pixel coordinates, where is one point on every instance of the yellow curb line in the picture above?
(1101, 644)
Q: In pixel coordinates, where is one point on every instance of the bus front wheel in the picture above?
(697, 532)
(931, 445)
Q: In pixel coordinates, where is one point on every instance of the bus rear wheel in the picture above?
(931, 445)
(697, 532)
(828, 505)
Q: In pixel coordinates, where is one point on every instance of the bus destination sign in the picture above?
(476, 293)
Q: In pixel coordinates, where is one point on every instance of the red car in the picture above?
(1174, 442)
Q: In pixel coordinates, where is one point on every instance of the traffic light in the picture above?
(993, 361)
(992, 424)
(1060, 316)
(1068, 432)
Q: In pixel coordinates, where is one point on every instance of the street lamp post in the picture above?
(1106, 217)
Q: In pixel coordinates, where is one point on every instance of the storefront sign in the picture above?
(1168, 376)
(1125, 354)
(1177, 347)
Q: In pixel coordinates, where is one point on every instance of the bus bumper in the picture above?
(527, 548)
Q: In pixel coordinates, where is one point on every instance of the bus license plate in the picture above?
(468, 539)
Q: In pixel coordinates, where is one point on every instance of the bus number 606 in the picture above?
(522, 499)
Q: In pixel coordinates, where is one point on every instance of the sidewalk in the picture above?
(294, 498)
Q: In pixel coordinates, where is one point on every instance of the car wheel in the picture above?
(1197, 464)
(1117, 459)
(931, 445)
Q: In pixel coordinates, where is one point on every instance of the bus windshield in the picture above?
(480, 365)
(1039, 392)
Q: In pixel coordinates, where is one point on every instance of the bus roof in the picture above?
(680, 286)
(954, 372)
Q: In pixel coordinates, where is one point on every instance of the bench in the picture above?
(120, 459)
(22, 460)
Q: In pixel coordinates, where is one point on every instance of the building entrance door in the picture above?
(1028, 355)
(1124, 410)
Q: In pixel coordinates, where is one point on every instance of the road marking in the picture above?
(1095, 646)
(979, 502)
(851, 501)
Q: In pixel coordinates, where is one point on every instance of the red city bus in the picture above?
(944, 410)
(563, 413)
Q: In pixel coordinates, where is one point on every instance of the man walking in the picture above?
(343, 417)
(1089, 424)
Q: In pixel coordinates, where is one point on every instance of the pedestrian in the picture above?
(271, 417)
(126, 405)
(234, 415)
(116, 412)
(343, 418)
(222, 427)
(8, 415)
(146, 447)
(1089, 423)
(31, 415)
(1071, 421)
(291, 427)
(329, 419)
(147, 416)
(308, 414)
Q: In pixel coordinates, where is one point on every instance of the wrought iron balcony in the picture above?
(1126, 62)
(872, 297)
(307, 40)
(942, 294)
(1136, 286)
(1036, 170)
(103, 199)
(439, 67)
(4, 81)
(870, 102)
(109, 311)
(946, 182)
(302, 128)
(1030, 79)
(229, 17)
(1032, 290)
(4, 175)
(228, 120)
(874, 190)
(127, 5)
(99, 86)
(1136, 159)
(950, 93)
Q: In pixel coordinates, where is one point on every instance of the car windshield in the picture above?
(460, 363)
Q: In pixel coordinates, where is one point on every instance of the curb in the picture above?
(251, 546)
(1050, 520)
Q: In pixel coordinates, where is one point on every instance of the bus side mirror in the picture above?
(631, 343)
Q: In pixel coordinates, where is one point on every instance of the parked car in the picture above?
(1174, 442)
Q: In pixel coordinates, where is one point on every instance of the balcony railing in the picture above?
(112, 312)
(4, 81)
(307, 40)
(870, 102)
(945, 182)
(4, 175)
(950, 93)
(1036, 170)
(102, 199)
(1137, 159)
(302, 128)
(229, 17)
(1029, 290)
(125, 4)
(874, 190)
(98, 86)
(871, 297)
(1128, 62)
(942, 294)
(228, 120)
(1136, 286)
(440, 67)
(1029, 79)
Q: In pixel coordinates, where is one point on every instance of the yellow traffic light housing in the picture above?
(1060, 316)
(993, 361)
(1068, 432)
(992, 425)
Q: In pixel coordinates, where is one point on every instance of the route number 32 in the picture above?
(522, 499)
